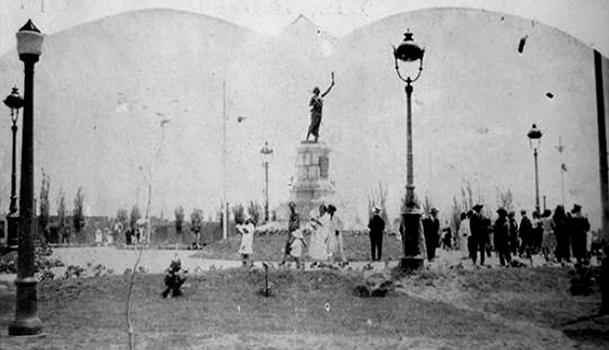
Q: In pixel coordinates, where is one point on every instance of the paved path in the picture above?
(156, 261)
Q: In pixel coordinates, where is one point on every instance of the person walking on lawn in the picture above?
(560, 226)
(464, 233)
(526, 235)
(501, 232)
(579, 229)
(297, 247)
(335, 240)
(246, 249)
(479, 234)
(293, 225)
(431, 229)
(376, 226)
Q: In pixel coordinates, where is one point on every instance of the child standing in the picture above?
(247, 242)
(297, 246)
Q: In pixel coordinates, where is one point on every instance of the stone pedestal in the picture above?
(312, 185)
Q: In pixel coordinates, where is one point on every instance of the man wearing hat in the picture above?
(478, 234)
(431, 230)
(526, 235)
(579, 234)
(502, 236)
(376, 226)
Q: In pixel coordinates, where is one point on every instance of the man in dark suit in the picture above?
(479, 233)
(431, 229)
(376, 226)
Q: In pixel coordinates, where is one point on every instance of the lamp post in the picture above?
(409, 53)
(266, 152)
(534, 136)
(14, 101)
(27, 322)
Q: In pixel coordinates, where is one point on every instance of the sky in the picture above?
(338, 18)
(585, 20)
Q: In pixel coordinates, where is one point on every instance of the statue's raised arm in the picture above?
(329, 87)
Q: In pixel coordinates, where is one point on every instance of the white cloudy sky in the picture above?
(585, 20)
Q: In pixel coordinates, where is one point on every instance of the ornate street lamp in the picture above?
(14, 101)
(266, 152)
(408, 54)
(534, 136)
(27, 322)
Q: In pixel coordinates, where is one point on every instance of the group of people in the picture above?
(326, 242)
(557, 236)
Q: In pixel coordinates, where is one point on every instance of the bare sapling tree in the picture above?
(149, 180)
(179, 215)
(196, 222)
(254, 210)
(45, 207)
(61, 217)
(505, 199)
(78, 214)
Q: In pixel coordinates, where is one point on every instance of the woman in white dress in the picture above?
(464, 233)
(336, 248)
(318, 249)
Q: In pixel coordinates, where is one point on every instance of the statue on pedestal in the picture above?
(316, 104)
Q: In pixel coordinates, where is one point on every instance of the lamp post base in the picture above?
(12, 232)
(26, 320)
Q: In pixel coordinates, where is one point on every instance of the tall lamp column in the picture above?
(534, 136)
(27, 322)
(266, 152)
(14, 101)
(409, 52)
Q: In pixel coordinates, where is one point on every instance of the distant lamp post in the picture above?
(14, 101)
(27, 322)
(408, 54)
(266, 152)
(534, 136)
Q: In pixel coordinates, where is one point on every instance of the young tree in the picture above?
(254, 210)
(239, 214)
(179, 214)
(456, 211)
(505, 199)
(427, 206)
(196, 220)
(134, 216)
(61, 216)
(78, 215)
(45, 207)
(122, 216)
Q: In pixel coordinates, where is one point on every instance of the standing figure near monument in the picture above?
(579, 229)
(464, 233)
(526, 236)
(431, 229)
(376, 226)
(293, 225)
(502, 237)
(479, 235)
(318, 248)
(316, 104)
(336, 246)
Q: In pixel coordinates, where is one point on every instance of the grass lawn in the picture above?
(270, 247)
(518, 308)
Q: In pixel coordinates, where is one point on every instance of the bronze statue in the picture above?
(316, 104)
